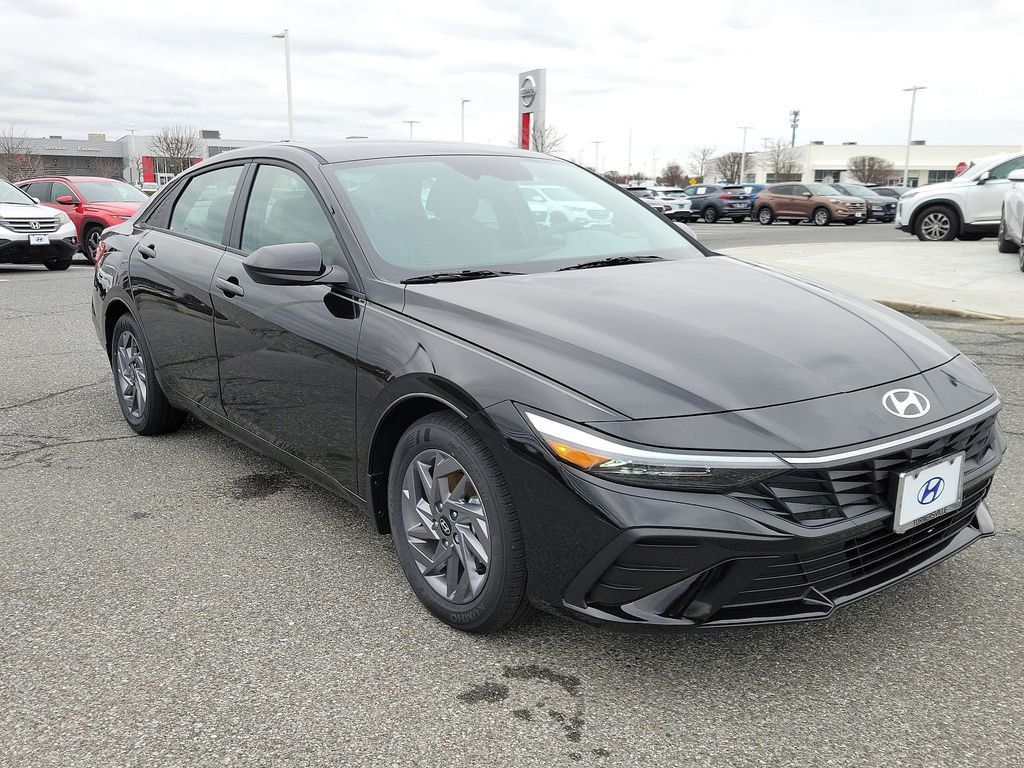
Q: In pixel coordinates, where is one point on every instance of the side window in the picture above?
(690, 191)
(159, 213)
(59, 190)
(782, 190)
(1003, 170)
(202, 209)
(40, 189)
(701, 191)
(797, 190)
(283, 209)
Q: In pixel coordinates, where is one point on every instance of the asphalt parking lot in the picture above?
(182, 601)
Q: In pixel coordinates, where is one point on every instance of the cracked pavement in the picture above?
(182, 601)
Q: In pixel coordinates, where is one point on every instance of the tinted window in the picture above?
(60, 189)
(283, 209)
(1003, 170)
(202, 209)
(782, 189)
(40, 189)
(797, 190)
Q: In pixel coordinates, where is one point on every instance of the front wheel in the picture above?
(90, 242)
(710, 214)
(455, 527)
(821, 217)
(142, 401)
(937, 224)
(1022, 258)
(1005, 244)
(765, 216)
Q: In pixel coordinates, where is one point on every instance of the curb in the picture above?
(910, 308)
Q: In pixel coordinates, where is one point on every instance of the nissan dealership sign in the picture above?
(532, 89)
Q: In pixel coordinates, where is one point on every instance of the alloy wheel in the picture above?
(821, 217)
(765, 216)
(92, 242)
(446, 526)
(132, 383)
(935, 226)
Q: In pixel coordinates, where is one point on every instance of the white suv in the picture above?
(967, 207)
(31, 233)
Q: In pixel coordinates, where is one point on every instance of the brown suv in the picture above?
(818, 203)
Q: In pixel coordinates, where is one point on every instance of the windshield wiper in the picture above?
(612, 261)
(451, 277)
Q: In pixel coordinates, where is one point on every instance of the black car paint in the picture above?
(325, 378)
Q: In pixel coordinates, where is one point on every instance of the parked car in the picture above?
(610, 422)
(33, 234)
(676, 208)
(714, 201)
(894, 192)
(753, 190)
(879, 207)
(92, 202)
(558, 205)
(818, 203)
(1011, 220)
(967, 207)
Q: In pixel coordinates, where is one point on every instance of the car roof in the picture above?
(72, 179)
(347, 150)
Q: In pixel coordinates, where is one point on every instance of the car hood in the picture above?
(15, 211)
(118, 209)
(685, 337)
(842, 198)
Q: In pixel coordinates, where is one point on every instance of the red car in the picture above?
(93, 203)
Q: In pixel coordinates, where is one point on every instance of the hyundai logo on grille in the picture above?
(906, 403)
(931, 490)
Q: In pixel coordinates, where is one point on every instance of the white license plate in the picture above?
(38, 239)
(928, 492)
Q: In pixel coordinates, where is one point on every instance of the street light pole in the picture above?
(910, 130)
(132, 161)
(743, 154)
(410, 123)
(462, 133)
(596, 145)
(288, 75)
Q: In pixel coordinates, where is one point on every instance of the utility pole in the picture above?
(462, 132)
(654, 164)
(794, 121)
(597, 166)
(743, 153)
(910, 130)
(411, 123)
(288, 76)
(131, 163)
(629, 154)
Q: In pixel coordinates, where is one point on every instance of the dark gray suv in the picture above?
(712, 202)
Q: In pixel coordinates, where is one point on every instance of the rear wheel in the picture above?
(58, 263)
(143, 403)
(765, 215)
(821, 217)
(455, 527)
(90, 241)
(937, 223)
(710, 214)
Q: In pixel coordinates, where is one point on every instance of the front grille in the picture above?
(847, 567)
(822, 495)
(31, 226)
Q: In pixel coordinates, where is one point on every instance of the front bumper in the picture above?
(15, 249)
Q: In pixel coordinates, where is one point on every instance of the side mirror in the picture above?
(292, 264)
(1017, 175)
(985, 176)
(66, 200)
(807, 194)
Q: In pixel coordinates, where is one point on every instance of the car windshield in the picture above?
(11, 194)
(858, 191)
(822, 189)
(558, 193)
(421, 215)
(109, 192)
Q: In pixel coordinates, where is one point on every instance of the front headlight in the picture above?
(671, 470)
(62, 218)
(122, 218)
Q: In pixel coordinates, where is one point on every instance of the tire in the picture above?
(936, 224)
(59, 263)
(1004, 245)
(1021, 258)
(709, 214)
(738, 219)
(765, 215)
(443, 541)
(793, 221)
(145, 408)
(90, 239)
(821, 217)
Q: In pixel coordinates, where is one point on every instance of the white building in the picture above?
(929, 163)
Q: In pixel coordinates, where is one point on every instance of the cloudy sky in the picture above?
(678, 74)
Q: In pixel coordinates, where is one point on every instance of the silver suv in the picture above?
(34, 234)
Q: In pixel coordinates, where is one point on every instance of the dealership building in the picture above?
(818, 161)
(97, 156)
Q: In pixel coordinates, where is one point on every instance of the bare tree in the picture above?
(673, 176)
(110, 167)
(869, 169)
(615, 177)
(729, 165)
(547, 139)
(178, 145)
(17, 161)
(700, 161)
(781, 160)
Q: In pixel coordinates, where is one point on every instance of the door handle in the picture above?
(147, 251)
(230, 286)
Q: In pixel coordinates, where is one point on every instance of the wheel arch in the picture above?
(946, 202)
(111, 314)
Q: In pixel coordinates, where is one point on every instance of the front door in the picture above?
(288, 352)
(984, 200)
(170, 273)
(799, 202)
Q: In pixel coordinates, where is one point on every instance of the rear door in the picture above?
(170, 272)
(288, 352)
(781, 198)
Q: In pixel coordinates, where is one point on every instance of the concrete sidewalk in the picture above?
(972, 278)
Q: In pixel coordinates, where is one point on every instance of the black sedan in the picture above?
(611, 423)
(879, 207)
